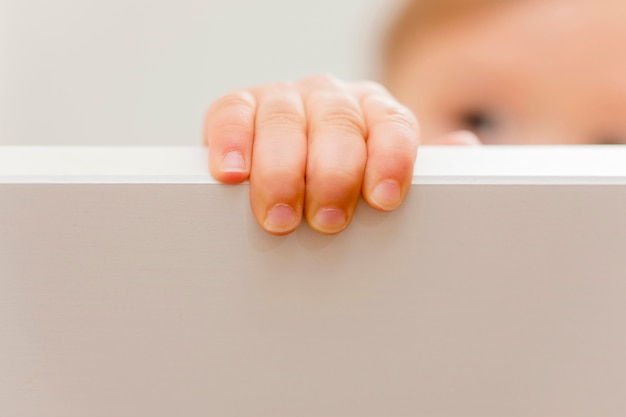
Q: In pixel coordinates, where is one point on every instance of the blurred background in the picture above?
(141, 72)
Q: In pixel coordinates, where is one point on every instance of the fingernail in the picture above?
(387, 195)
(233, 162)
(281, 219)
(330, 219)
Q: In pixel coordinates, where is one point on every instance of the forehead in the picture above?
(560, 45)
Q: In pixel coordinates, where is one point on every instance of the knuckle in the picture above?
(282, 118)
(402, 119)
(279, 182)
(278, 175)
(280, 106)
(395, 114)
(232, 130)
(343, 176)
(393, 160)
(344, 120)
(231, 115)
(400, 165)
(336, 185)
(394, 165)
(338, 113)
(237, 100)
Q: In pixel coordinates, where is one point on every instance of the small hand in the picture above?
(311, 149)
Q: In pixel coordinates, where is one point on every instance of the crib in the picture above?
(133, 284)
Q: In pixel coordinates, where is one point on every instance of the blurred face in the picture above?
(529, 72)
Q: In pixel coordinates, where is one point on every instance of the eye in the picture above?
(611, 140)
(478, 121)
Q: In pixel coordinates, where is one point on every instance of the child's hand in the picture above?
(312, 147)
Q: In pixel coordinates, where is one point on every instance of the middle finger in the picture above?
(336, 159)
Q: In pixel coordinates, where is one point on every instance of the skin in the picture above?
(533, 71)
(528, 72)
(311, 156)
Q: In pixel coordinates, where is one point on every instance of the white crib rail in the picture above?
(131, 284)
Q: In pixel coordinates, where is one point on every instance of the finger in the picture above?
(392, 148)
(462, 137)
(277, 176)
(229, 132)
(336, 159)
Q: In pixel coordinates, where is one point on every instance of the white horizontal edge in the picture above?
(479, 165)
